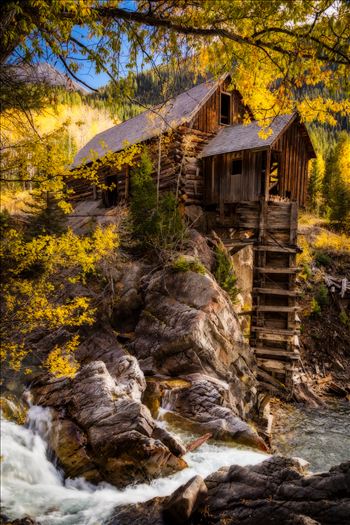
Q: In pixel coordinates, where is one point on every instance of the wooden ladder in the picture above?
(274, 322)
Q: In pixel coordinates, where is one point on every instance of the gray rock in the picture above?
(127, 298)
(184, 501)
(118, 427)
(210, 406)
(189, 325)
(275, 492)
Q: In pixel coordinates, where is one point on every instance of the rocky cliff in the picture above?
(171, 341)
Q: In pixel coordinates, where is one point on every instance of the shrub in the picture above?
(344, 318)
(47, 302)
(322, 259)
(183, 264)
(225, 273)
(315, 307)
(330, 241)
(321, 295)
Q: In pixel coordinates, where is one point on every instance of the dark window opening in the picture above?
(110, 194)
(274, 186)
(236, 168)
(225, 108)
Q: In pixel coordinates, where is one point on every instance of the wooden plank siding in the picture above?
(293, 164)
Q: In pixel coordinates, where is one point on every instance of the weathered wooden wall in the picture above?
(208, 117)
(293, 145)
(211, 181)
(222, 186)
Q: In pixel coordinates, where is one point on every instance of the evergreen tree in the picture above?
(156, 223)
(45, 216)
(339, 183)
(317, 173)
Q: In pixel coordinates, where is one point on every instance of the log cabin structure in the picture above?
(248, 190)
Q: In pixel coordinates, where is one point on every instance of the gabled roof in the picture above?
(149, 124)
(242, 137)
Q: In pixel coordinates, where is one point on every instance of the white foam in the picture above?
(32, 486)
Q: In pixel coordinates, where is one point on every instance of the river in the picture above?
(32, 485)
(319, 435)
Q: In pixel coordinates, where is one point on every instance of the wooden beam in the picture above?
(277, 308)
(276, 291)
(275, 248)
(274, 366)
(276, 352)
(268, 269)
(267, 174)
(275, 331)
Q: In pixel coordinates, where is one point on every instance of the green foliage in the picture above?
(315, 307)
(323, 259)
(156, 222)
(344, 318)
(329, 183)
(183, 264)
(321, 296)
(339, 183)
(45, 216)
(225, 273)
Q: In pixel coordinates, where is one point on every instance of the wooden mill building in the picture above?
(248, 189)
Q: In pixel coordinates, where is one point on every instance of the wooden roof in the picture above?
(149, 124)
(242, 137)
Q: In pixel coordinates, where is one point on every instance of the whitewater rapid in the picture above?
(33, 486)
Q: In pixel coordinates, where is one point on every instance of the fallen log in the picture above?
(193, 445)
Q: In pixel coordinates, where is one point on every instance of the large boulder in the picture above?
(276, 492)
(188, 325)
(121, 434)
(211, 407)
(180, 506)
(189, 329)
(68, 442)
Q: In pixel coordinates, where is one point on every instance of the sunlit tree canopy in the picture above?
(274, 48)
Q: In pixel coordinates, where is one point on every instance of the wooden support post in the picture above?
(267, 174)
(127, 182)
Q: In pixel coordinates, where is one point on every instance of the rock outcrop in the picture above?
(188, 329)
(175, 326)
(105, 413)
(276, 492)
(209, 405)
(188, 325)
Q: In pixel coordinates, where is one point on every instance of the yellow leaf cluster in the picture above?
(330, 241)
(61, 362)
(36, 274)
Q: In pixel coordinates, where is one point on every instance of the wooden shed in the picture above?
(241, 166)
(209, 157)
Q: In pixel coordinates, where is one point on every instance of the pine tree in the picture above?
(45, 216)
(337, 183)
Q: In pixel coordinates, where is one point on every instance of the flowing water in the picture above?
(319, 435)
(33, 486)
